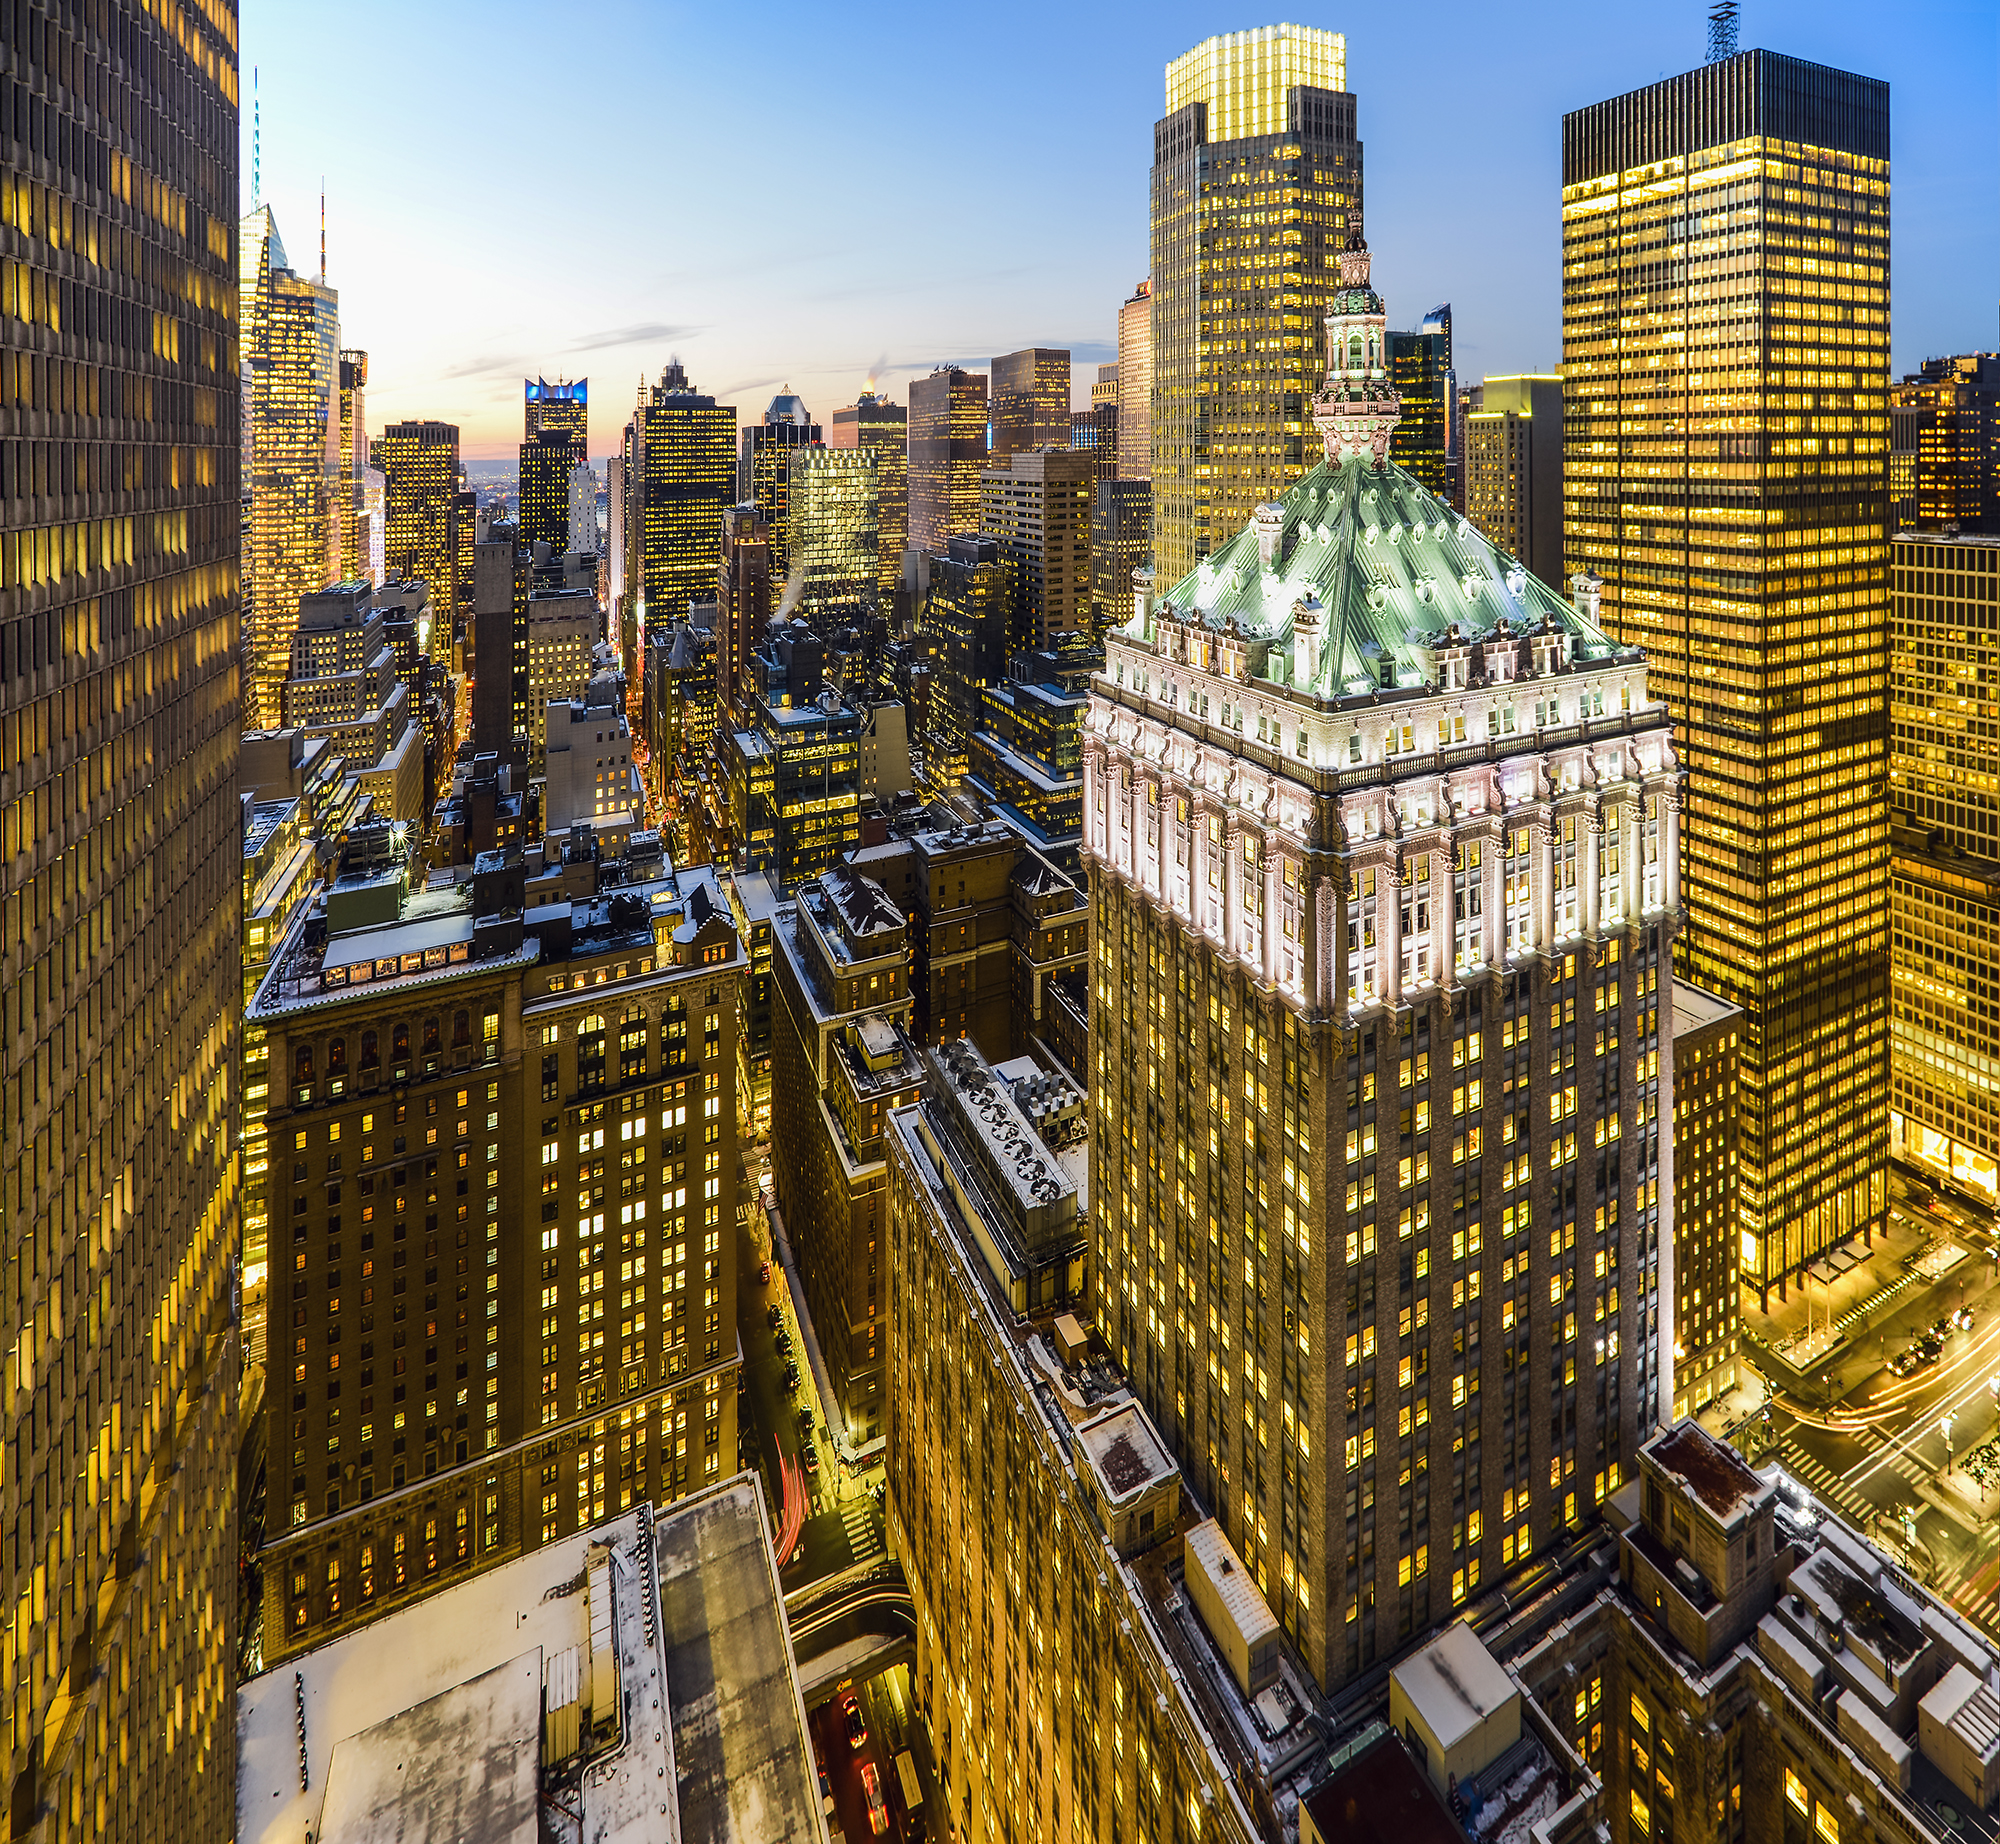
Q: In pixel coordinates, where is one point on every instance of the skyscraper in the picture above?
(1511, 462)
(742, 589)
(947, 454)
(289, 346)
(1037, 505)
(1135, 385)
(1121, 539)
(685, 477)
(353, 465)
(1944, 445)
(876, 423)
(1255, 168)
(123, 957)
(1374, 1187)
(1420, 369)
(1733, 542)
(835, 555)
(562, 407)
(1944, 798)
(419, 463)
(555, 438)
(764, 466)
(1030, 400)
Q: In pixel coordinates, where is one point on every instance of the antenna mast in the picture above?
(322, 230)
(256, 143)
(1722, 31)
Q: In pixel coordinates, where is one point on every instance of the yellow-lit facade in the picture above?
(834, 553)
(353, 467)
(947, 453)
(1256, 167)
(419, 463)
(290, 349)
(1944, 901)
(1725, 364)
(120, 613)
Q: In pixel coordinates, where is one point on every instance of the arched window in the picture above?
(1354, 353)
(371, 1053)
(590, 1051)
(400, 1043)
(461, 1030)
(336, 1057)
(432, 1041)
(632, 1043)
(302, 1064)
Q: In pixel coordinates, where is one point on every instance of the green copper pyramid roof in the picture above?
(1392, 570)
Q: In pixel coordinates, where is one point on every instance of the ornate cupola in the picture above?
(1357, 406)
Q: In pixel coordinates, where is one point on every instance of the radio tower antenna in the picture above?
(1722, 31)
(256, 143)
(322, 230)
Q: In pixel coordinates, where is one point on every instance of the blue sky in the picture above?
(805, 194)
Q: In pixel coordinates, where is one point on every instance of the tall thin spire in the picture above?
(256, 143)
(322, 230)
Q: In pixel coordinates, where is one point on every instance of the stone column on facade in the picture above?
(1310, 882)
(1631, 841)
(1495, 897)
(1267, 934)
(1233, 885)
(1670, 850)
(1588, 872)
(1389, 928)
(1544, 880)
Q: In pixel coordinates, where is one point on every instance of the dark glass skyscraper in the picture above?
(764, 466)
(1030, 400)
(1726, 445)
(875, 423)
(687, 476)
(947, 455)
(555, 436)
(1420, 369)
(119, 683)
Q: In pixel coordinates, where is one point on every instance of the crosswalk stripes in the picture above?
(863, 1539)
(1825, 1482)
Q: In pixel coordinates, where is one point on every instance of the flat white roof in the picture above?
(1210, 1550)
(1454, 1684)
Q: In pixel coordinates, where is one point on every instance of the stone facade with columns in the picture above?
(1383, 848)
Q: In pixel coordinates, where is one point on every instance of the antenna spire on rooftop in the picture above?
(322, 230)
(1722, 31)
(256, 143)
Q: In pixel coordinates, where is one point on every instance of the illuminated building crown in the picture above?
(1357, 407)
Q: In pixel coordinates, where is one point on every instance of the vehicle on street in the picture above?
(855, 1723)
(775, 1317)
(809, 1459)
(878, 1811)
(764, 1275)
(783, 1341)
(911, 1787)
(791, 1376)
(825, 1785)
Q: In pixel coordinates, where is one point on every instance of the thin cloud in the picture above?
(640, 333)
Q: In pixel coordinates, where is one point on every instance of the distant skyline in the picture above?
(851, 193)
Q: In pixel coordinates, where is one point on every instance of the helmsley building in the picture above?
(1382, 836)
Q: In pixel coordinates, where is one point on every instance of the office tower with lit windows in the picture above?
(1030, 400)
(834, 538)
(343, 687)
(501, 570)
(582, 534)
(122, 954)
(1726, 438)
(841, 1059)
(1256, 166)
(565, 630)
(742, 603)
(1037, 506)
(546, 465)
(1375, 1194)
(503, 1139)
(947, 455)
(1135, 385)
(683, 478)
(1707, 1302)
(1420, 369)
(419, 463)
(1121, 540)
(969, 616)
(764, 467)
(873, 422)
(1944, 897)
(289, 346)
(1511, 467)
(1944, 447)
(1095, 432)
(559, 408)
(353, 466)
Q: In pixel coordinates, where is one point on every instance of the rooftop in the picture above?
(1381, 1794)
(1695, 1009)
(429, 1725)
(1712, 1470)
(1454, 1683)
(1125, 1452)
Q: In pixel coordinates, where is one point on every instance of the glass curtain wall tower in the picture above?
(121, 959)
(1255, 168)
(290, 346)
(947, 455)
(1726, 378)
(419, 463)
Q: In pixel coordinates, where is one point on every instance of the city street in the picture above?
(891, 1728)
(1910, 1459)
